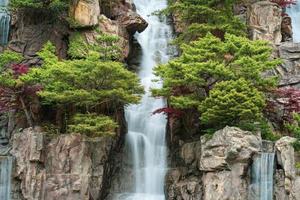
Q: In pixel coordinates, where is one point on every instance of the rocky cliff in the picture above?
(70, 167)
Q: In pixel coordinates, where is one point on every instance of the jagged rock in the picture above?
(225, 160)
(222, 185)
(190, 153)
(286, 159)
(66, 167)
(132, 22)
(85, 13)
(286, 29)
(182, 186)
(289, 70)
(229, 145)
(29, 33)
(264, 21)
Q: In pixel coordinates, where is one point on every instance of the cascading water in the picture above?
(4, 22)
(262, 170)
(294, 12)
(146, 132)
(5, 177)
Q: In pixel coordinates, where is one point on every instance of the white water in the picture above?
(294, 12)
(5, 177)
(262, 170)
(4, 22)
(146, 132)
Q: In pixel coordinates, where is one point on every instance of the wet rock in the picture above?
(264, 21)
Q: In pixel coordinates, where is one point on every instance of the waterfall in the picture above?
(4, 22)
(5, 177)
(146, 132)
(262, 170)
(294, 12)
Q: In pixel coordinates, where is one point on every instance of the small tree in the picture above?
(84, 83)
(14, 93)
(188, 81)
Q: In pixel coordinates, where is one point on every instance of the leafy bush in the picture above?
(50, 4)
(93, 125)
(232, 103)
(106, 45)
(203, 16)
(294, 128)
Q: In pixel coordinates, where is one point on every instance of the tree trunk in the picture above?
(28, 118)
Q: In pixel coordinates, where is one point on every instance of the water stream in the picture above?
(146, 132)
(294, 12)
(262, 171)
(4, 22)
(5, 177)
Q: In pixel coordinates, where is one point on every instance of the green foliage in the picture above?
(106, 45)
(9, 57)
(203, 16)
(232, 102)
(83, 82)
(298, 165)
(93, 125)
(294, 128)
(58, 5)
(191, 80)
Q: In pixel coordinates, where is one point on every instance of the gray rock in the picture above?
(227, 146)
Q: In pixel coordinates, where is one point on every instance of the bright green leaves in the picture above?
(105, 45)
(231, 103)
(222, 79)
(202, 17)
(84, 82)
(93, 125)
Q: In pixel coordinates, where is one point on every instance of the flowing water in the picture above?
(5, 177)
(4, 22)
(261, 187)
(146, 132)
(294, 12)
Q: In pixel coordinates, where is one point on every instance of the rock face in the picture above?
(214, 168)
(66, 167)
(264, 21)
(289, 70)
(288, 180)
(85, 13)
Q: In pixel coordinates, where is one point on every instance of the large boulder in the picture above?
(85, 13)
(64, 167)
(286, 159)
(227, 146)
(132, 22)
(264, 21)
(225, 160)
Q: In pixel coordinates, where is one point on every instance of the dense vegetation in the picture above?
(92, 84)
(203, 16)
(222, 80)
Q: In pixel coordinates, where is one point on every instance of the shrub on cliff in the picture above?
(92, 125)
(189, 81)
(50, 4)
(14, 93)
(201, 17)
(106, 45)
(232, 103)
(85, 85)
